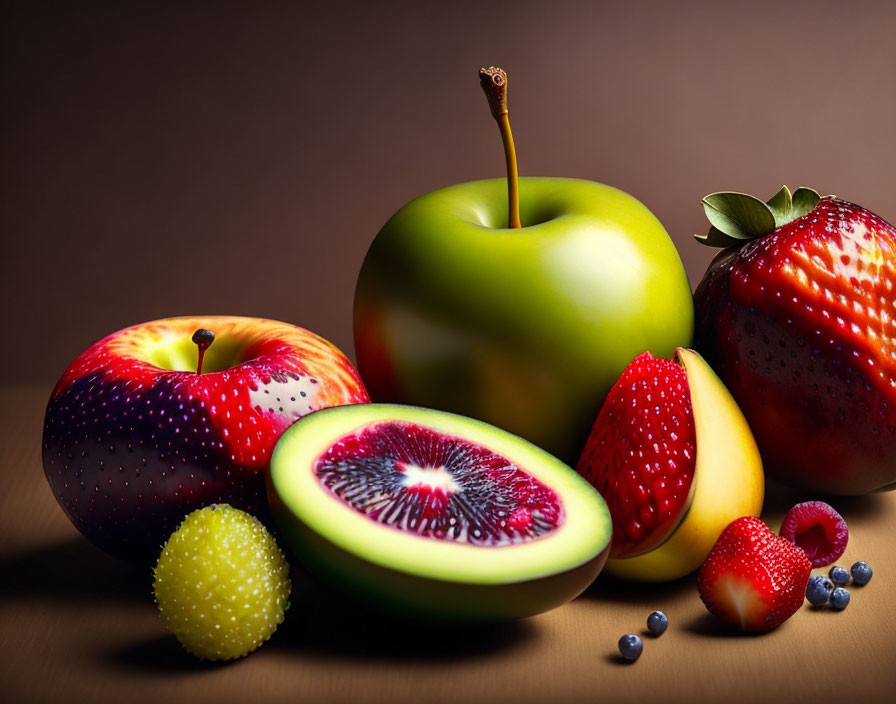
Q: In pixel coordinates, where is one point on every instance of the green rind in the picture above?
(423, 576)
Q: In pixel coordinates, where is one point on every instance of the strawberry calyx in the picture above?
(736, 218)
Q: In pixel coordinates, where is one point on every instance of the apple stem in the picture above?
(203, 339)
(494, 83)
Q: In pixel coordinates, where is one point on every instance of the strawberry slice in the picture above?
(752, 578)
(641, 454)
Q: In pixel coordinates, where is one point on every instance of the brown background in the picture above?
(178, 158)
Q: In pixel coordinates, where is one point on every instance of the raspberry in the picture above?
(221, 583)
(818, 530)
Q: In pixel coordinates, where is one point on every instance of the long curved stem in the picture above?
(494, 83)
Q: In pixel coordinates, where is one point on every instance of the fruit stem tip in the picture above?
(494, 83)
(203, 339)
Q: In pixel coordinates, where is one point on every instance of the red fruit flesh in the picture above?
(801, 326)
(641, 454)
(418, 480)
(753, 579)
(818, 530)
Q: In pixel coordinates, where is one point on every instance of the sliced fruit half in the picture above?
(435, 514)
(677, 463)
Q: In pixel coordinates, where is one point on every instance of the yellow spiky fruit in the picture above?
(221, 583)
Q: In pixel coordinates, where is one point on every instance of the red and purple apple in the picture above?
(135, 437)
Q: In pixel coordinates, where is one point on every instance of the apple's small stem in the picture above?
(494, 83)
(203, 339)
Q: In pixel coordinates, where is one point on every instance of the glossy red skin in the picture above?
(641, 454)
(129, 448)
(801, 326)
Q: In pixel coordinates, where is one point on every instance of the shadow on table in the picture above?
(162, 654)
(705, 624)
(73, 570)
(322, 620)
(614, 591)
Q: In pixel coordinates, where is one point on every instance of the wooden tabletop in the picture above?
(79, 626)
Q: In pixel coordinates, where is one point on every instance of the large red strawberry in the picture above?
(752, 578)
(798, 318)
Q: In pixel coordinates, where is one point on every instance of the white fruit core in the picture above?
(741, 596)
(429, 477)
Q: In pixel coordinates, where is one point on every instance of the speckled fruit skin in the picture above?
(801, 326)
(528, 328)
(641, 454)
(221, 583)
(133, 441)
(727, 479)
(753, 579)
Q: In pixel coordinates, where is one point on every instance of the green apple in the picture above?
(526, 328)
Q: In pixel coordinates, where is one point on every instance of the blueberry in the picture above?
(839, 598)
(657, 623)
(630, 647)
(819, 589)
(839, 575)
(861, 573)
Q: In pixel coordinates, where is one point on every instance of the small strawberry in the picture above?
(641, 453)
(752, 578)
(798, 318)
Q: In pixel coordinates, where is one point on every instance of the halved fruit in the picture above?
(435, 514)
(684, 465)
